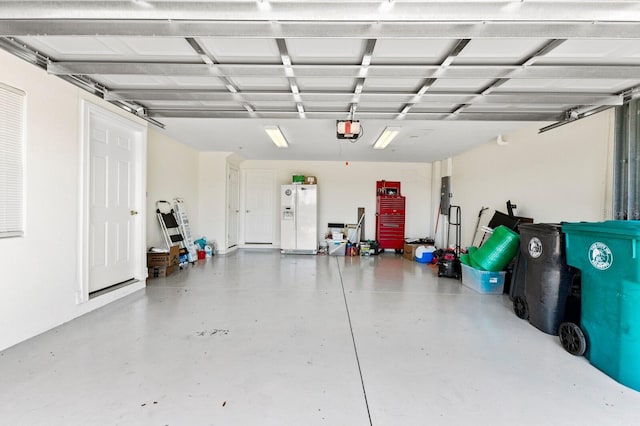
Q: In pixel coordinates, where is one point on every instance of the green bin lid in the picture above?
(626, 228)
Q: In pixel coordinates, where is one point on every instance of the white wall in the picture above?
(39, 273)
(561, 175)
(212, 190)
(343, 188)
(172, 172)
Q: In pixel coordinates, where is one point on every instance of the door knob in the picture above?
(133, 212)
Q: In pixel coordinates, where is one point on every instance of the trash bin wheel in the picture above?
(520, 307)
(572, 338)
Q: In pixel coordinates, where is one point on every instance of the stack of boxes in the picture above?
(162, 264)
(337, 244)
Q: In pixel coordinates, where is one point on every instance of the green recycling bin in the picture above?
(608, 254)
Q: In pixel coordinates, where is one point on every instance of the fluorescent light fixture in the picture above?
(386, 137)
(276, 136)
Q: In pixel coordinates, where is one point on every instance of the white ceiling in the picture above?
(450, 74)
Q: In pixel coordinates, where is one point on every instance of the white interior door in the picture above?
(259, 207)
(233, 207)
(113, 216)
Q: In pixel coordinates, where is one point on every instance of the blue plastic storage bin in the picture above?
(484, 282)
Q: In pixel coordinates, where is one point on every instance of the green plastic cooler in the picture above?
(608, 253)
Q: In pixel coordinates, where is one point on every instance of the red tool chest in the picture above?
(390, 214)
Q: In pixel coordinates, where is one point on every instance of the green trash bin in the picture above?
(608, 254)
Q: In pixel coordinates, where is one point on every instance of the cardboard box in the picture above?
(171, 258)
(160, 271)
(310, 180)
(409, 251)
(174, 255)
(483, 281)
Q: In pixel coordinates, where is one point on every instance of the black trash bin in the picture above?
(516, 291)
(548, 278)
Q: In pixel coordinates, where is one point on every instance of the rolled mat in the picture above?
(496, 253)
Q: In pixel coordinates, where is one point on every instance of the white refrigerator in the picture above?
(299, 219)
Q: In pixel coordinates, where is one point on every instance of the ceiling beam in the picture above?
(359, 30)
(336, 11)
(196, 95)
(473, 116)
(479, 71)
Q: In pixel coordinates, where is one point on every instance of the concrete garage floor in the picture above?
(257, 338)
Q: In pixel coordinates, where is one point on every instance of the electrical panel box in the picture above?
(445, 194)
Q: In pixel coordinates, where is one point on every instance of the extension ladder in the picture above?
(170, 227)
(185, 228)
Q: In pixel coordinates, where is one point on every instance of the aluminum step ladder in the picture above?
(185, 228)
(170, 227)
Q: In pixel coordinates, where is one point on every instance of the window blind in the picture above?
(12, 120)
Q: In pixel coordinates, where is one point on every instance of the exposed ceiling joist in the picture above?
(559, 98)
(340, 11)
(471, 116)
(486, 71)
(364, 30)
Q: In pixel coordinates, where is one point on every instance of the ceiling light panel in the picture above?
(276, 136)
(385, 138)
